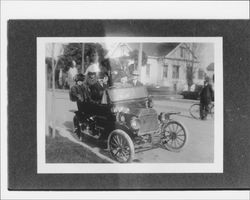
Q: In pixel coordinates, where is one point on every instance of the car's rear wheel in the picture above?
(174, 136)
(76, 127)
(121, 146)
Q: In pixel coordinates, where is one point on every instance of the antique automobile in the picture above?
(194, 95)
(126, 121)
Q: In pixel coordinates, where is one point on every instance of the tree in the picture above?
(190, 58)
(189, 75)
(133, 55)
(93, 52)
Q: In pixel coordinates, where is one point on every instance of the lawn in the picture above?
(61, 150)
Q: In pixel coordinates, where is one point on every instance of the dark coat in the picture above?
(207, 94)
(79, 93)
(138, 83)
(97, 91)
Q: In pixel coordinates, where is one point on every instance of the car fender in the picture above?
(123, 127)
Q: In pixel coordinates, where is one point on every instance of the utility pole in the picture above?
(53, 91)
(83, 48)
(140, 60)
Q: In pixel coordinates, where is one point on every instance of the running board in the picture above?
(89, 134)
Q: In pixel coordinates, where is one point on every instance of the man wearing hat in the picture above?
(77, 91)
(97, 89)
(135, 82)
(120, 79)
(206, 96)
(79, 94)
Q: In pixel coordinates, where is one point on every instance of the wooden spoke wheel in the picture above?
(121, 146)
(174, 136)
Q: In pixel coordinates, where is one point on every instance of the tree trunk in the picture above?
(53, 91)
(83, 67)
(140, 60)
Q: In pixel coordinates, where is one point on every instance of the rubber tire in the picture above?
(211, 111)
(76, 126)
(170, 148)
(191, 112)
(129, 142)
(79, 133)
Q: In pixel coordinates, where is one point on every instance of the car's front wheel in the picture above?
(121, 146)
(174, 136)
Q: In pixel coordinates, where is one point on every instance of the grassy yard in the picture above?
(61, 150)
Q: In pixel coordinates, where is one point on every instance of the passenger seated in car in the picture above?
(97, 89)
(121, 80)
(135, 82)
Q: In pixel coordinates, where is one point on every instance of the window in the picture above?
(200, 74)
(165, 71)
(148, 69)
(182, 51)
(175, 71)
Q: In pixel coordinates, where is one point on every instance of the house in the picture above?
(178, 67)
(185, 62)
(152, 72)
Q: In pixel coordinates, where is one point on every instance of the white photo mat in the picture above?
(215, 167)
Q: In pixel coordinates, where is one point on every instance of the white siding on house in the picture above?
(204, 53)
(176, 58)
(155, 72)
(143, 77)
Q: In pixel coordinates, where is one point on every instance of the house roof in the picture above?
(155, 49)
(180, 45)
(151, 49)
(118, 46)
(210, 67)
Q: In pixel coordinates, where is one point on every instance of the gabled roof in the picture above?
(180, 45)
(155, 49)
(173, 50)
(118, 46)
(151, 49)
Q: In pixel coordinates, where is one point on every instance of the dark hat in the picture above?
(207, 79)
(91, 73)
(101, 75)
(79, 77)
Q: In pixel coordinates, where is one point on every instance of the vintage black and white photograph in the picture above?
(130, 105)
